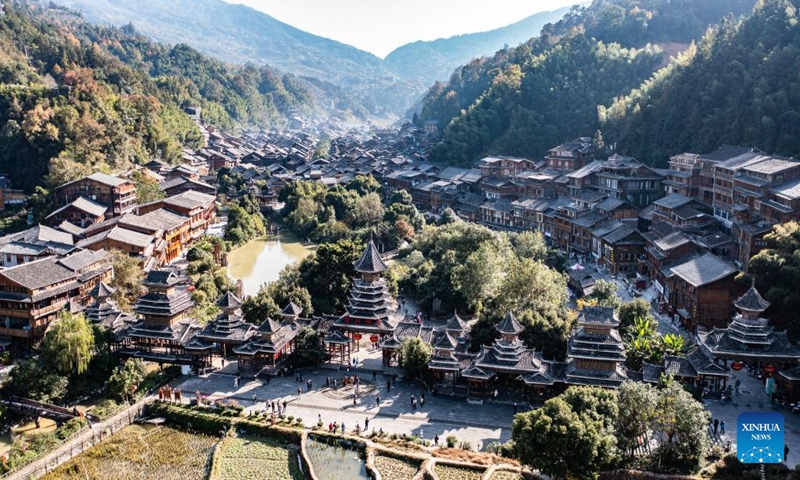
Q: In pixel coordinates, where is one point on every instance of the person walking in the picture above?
(421, 400)
(413, 402)
(309, 384)
(366, 424)
(236, 382)
(722, 427)
(436, 440)
(738, 382)
(299, 391)
(378, 401)
(255, 399)
(328, 382)
(284, 406)
(716, 426)
(785, 451)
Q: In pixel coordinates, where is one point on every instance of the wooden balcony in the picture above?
(16, 332)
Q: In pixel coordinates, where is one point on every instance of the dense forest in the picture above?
(739, 85)
(525, 99)
(76, 98)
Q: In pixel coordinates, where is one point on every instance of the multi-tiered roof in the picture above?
(507, 355)
(749, 336)
(104, 310)
(370, 307)
(269, 340)
(163, 310)
(229, 327)
(595, 352)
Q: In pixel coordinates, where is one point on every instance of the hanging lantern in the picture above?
(737, 366)
(770, 369)
(357, 336)
(373, 338)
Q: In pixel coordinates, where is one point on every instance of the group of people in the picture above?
(169, 394)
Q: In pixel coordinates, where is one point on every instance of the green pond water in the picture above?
(336, 463)
(260, 261)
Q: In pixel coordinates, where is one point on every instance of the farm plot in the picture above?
(394, 468)
(447, 472)
(248, 457)
(143, 453)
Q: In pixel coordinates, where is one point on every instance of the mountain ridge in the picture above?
(436, 59)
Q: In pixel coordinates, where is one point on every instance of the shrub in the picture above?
(290, 418)
(299, 421)
(452, 441)
(466, 446)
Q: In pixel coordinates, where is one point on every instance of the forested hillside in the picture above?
(739, 85)
(76, 98)
(522, 101)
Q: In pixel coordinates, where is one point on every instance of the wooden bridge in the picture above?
(33, 408)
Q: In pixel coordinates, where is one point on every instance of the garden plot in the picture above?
(248, 457)
(394, 468)
(143, 453)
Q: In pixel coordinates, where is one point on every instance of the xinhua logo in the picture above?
(760, 437)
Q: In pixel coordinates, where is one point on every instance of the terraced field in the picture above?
(141, 453)
(396, 469)
(446, 472)
(255, 458)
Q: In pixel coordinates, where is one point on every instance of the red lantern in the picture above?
(357, 336)
(770, 369)
(373, 338)
(737, 366)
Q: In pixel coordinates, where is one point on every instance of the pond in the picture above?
(261, 260)
(333, 462)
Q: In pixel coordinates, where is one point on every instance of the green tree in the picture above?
(69, 345)
(414, 356)
(480, 276)
(328, 273)
(126, 378)
(638, 403)
(31, 379)
(682, 421)
(606, 294)
(148, 190)
(256, 308)
(578, 423)
(630, 311)
(368, 210)
(310, 351)
(127, 281)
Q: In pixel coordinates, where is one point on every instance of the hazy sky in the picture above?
(380, 26)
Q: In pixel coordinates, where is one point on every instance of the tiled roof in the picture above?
(292, 309)
(455, 324)
(84, 204)
(229, 301)
(703, 270)
(107, 179)
(752, 300)
(161, 278)
(509, 325)
(39, 273)
(85, 258)
(370, 261)
(597, 315)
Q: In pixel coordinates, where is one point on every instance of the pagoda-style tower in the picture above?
(268, 348)
(749, 337)
(508, 355)
(105, 311)
(443, 359)
(165, 328)
(370, 308)
(596, 354)
(455, 326)
(229, 328)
